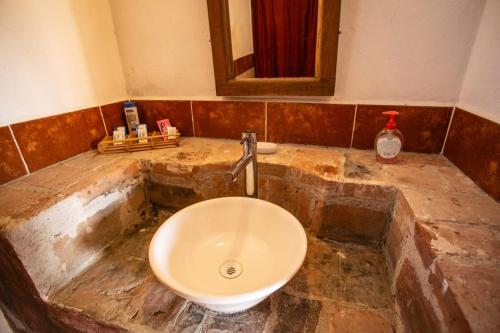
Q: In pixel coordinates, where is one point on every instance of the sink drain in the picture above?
(230, 269)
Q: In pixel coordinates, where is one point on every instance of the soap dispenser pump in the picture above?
(389, 141)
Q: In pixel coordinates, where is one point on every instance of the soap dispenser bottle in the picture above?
(389, 141)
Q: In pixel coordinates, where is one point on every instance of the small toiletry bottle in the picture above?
(132, 116)
(389, 141)
(142, 133)
(172, 131)
(119, 135)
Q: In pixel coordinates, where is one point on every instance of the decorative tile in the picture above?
(113, 116)
(473, 144)
(178, 112)
(315, 124)
(49, 140)
(423, 127)
(11, 165)
(228, 119)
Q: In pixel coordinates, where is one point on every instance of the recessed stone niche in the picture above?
(347, 212)
(76, 260)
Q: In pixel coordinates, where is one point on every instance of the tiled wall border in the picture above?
(473, 145)
(38, 143)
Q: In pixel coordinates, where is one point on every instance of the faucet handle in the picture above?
(248, 136)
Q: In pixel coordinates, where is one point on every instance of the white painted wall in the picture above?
(405, 50)
(391, 51)
(57, 56)
(240, 18)
(481, 87)
(63, 55)
(165, 47)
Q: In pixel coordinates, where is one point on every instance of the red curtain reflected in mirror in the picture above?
(284, 37)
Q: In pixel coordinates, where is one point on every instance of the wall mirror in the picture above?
(274, 47)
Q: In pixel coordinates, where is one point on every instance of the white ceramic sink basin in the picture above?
(228, 254)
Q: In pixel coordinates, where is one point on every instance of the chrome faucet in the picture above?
(248, 162)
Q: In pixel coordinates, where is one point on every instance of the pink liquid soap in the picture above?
(389, 141)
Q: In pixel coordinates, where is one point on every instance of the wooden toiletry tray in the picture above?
(131, 143)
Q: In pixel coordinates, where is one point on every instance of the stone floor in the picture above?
(340, 288)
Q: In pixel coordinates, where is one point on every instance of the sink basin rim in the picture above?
(203, 297)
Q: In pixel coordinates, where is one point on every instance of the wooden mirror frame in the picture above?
(322, 84)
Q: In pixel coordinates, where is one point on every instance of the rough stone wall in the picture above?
(176, 188)
(57, 244)
(442, 242)
(346, 212)
(20, 301)
(417, 307)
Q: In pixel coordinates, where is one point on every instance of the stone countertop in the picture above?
(457, 222)
(434, 188)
